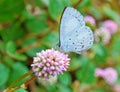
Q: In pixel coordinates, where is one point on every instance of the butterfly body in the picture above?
(74, 35)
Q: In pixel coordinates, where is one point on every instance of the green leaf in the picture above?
(65, 79)
(86, 73)
(8, 61)
(100, 53)
(32, 52)
(4, 74)
(18, 70)
(11, 50)
(56, 7)
(75, 63)
(51, 40)
(62, 88)
(115, 51)
(35, 25)
(10, 9)
(51, 88)
(13, 32)
(94, 11)
(111, 13)
(85, 3)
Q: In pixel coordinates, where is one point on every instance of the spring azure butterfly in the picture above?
(74, 35)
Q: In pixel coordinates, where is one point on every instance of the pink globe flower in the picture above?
(111, 26)
(110, 75)
(99, 72)
(49, 63)
(102, 34)
(90, 19)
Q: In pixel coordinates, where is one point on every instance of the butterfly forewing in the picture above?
(74, 35)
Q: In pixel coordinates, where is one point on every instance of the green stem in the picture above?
(22, 77)
(26, 83)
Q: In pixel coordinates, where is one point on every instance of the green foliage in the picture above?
(100, 52)
(51, 38)
(86, 72)
(30, 26)
(36, 26)
(4, 74)
(11, 50)
(67, 79)
(10, 10)
(17, 71)
(56, 7)
(21, 90)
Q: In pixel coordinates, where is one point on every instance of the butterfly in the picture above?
(75, 36)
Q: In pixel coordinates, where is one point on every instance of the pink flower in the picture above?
(103, 35)
(99, 72)
(111, 26)
(90, 19)
(110, 75)
(116, 88)
(49, 63)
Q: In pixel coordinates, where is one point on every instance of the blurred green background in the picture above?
(29, 26)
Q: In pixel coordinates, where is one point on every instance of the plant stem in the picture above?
(26, 83)
(22, 77)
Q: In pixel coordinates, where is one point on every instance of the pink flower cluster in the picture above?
(103, 35)
(109, 74)
(111, 26)
(90, 20)
(50, 63)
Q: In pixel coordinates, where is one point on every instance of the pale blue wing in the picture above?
(71, 19)
(74, 35)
